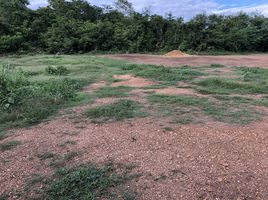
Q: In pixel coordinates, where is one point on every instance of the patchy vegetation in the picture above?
(186, 109)
(26, 102)
(89, 182)
(120, 110)
(9, 145)
(121, 91)
(163, 74)
(227, 86)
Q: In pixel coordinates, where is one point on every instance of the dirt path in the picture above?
(255, 60)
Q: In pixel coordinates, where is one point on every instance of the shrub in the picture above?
(22, 101)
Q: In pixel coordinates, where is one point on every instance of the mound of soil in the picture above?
(176, 53)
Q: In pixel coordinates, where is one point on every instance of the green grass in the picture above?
(121, 91)
(187, 109)
(34, 95)
(163, 74)
(217, 66)
(9, 145)
(118, 111)
(254, 75)
(90, 182)
(227, 86)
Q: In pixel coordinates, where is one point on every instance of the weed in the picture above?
(87, 182)
(70, 155)
(68, 142)
(120, 110)
(9, 145)
(162, 176)
(56, 71)
(46, 155)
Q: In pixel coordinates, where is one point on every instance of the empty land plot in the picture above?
(118, 130)
(254, 60)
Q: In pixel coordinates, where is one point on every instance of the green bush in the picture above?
(22, 101)
(56, 71)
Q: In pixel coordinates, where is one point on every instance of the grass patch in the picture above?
(186, 109)
(118, 111)
(121, 91)
(9, 145)
(227, 86)
(216, 65)
(23, 102)
(254, 75)
(164, 74)
(56, 71)
(90, 182)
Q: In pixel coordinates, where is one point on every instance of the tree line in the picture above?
(77, 26)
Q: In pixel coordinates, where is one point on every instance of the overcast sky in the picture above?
(186, 8)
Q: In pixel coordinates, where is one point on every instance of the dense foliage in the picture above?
(76, 26)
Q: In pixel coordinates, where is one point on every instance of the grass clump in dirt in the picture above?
(46, 155)
(227, 86)
(118, 111)
(217, 65)
(89, 182)
(121, 91)
(9, 145)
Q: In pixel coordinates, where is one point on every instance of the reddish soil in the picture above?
(215, 161)
(256, 60)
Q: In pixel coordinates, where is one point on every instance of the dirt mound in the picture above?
(176, 53)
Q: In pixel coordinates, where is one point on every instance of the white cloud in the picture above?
(37, 3)
(184, 8)
(263, 9)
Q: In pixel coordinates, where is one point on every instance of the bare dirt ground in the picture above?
(177, 162)
(254, 60)
(214, 161)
